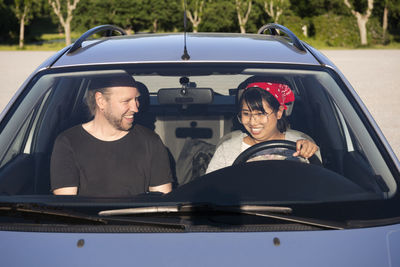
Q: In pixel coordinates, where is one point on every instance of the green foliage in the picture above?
(42, 22)
(23, 8)
(8, 22)
(295, 24)
(360, 5)
(257, 18)
(329, 22)
(313, 8)
(374, 32)
(134, 15)
(220, 16)
(164, 15)
(275, 9)
(394, 19)
(130, 14)
(337, 31)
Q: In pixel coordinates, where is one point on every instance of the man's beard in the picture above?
(116, 122)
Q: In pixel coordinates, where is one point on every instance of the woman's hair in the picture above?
(102, 84)
(253, 97)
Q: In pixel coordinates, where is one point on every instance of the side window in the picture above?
(20, 142)
(28, 145)
(17, 144)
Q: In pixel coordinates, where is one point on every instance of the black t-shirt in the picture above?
(124, 167)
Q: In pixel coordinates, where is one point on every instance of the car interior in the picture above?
(189, 115)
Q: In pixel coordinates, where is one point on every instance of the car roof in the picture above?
(201, 47)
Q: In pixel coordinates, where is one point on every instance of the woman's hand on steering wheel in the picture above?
(269, 146)
(305, 148)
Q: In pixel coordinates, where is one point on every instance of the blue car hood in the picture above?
(377, 246)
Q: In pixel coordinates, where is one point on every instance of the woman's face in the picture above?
(261, 126)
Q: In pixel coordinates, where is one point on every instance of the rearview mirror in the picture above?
(184, 96)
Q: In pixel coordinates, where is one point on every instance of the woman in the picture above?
(262, 107)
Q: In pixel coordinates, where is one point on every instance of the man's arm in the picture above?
(63, 173)
(66, 191)
(164, 188)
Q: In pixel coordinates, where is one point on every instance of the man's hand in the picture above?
(66, 191)
(164, 188)
(305, 148)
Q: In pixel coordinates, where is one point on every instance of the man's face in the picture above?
(122, 104)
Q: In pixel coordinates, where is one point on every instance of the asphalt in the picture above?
(374, 74)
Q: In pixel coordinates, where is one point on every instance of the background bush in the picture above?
(295, 24)
(329, 22)
(336, 30)
(374, 32)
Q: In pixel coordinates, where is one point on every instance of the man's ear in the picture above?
(280, 112)
(101, 100)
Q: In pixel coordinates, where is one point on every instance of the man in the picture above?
(109, 156)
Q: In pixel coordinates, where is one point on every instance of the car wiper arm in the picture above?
(274, 212)
(41, 211)
(191, 208)
(67, 215)
(301, 220)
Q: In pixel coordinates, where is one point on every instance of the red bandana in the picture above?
(280, 91)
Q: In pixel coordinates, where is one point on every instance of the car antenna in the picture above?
(185, 55)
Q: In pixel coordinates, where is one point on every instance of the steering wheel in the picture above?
(283, 148)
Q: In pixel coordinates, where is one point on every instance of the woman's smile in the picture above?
(255, 130)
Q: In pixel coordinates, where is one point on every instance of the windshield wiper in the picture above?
(44, 212)
(191, 208)
(40, 211)
(274, 212)
(295, 219)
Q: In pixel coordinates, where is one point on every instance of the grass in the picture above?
(33, 47)
(49, 42)
(319, 44)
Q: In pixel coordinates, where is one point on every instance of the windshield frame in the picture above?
(360, 109)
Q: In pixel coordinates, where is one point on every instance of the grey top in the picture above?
(231, 145)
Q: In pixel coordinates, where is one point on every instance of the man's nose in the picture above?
(134, 106)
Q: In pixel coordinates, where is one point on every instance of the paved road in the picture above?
(375, 74)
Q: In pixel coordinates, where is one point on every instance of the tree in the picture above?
(64, 15)
(23, 13)
(362, 19)
(220, 16)
(8, 22)
(314, 8)
(385, 19)
(275, 8)
(387, 9)
(163, 14)
(194, 11)
(243, 12)
(132, 15)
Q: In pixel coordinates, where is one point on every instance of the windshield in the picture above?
(193, 109)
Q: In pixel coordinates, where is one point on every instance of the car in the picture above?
(342, 210)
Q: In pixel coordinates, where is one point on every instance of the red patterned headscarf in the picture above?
(280, 91)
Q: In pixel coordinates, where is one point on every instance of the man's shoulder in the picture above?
(71, 137)
(73, 130)
(142, 131)
(71, 133)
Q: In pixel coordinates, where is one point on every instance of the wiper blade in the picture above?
(39, 211)
(274, 212)
(191, 208)
(306, 221)
(43, 211)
